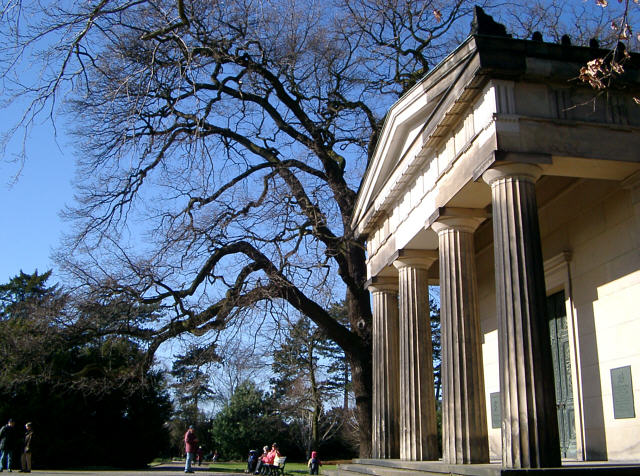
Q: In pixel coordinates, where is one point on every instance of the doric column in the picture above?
(386, 369)
(418, 429)
(464, 415)
(529, 420)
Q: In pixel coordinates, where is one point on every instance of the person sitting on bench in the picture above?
(271, 457)
(262, 466)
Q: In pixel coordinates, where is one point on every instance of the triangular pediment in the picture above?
(405, 131)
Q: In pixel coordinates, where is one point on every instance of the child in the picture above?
(252, 461)
(314, 463)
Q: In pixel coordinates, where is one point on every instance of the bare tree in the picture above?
(238, 363)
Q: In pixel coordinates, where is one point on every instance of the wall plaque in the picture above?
(622, 388)
(496, 410)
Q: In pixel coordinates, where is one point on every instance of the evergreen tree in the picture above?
(338, 380)
(85, 394)
(434, 311)
(250, 420)
(310, 370)
(296, 381)
(26, 293)
(191, 388)
(30, 339)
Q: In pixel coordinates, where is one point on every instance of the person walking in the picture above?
(314, 463)
(26, 451)
(190, 447)
(7, 444)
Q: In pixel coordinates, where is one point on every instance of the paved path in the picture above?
(175, 468)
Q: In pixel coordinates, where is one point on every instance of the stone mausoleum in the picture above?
(516, 188)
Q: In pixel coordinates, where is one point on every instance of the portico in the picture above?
(489, 179)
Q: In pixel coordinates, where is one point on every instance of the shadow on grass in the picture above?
(178, 466)
(172, 466)
(291, 469)
(227, 467)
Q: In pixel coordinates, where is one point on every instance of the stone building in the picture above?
(516, 189)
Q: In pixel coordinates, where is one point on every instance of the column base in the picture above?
(433, 468)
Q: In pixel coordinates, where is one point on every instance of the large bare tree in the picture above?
(221, 145)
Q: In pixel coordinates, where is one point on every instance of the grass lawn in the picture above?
(239, 467)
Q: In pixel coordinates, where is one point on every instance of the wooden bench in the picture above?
(277, 468)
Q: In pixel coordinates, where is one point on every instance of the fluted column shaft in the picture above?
(386, 369)
(464, 415)
(529, 420)
(418, 428)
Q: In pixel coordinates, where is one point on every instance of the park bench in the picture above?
(277, 468)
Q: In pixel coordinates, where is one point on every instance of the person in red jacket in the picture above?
(271, 456)
(261, 461)
(190, 448)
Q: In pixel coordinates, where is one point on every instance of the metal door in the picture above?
(556, 312)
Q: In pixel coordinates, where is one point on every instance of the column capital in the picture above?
(461, 219)
(463, 224)
(383, 284)
(523, 171)
(416, 258)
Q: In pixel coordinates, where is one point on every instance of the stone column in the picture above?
(529, 420)
(464, 414)
(386, 369)
(418, 429)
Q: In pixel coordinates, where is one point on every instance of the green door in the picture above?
(557, 315)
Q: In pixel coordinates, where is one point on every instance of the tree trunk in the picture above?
(361, 379)
(345, 401)
(359, 355)
(315, 426)
(315, 397)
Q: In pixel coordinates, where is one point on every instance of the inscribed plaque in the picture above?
(622, 388)
(496, 410)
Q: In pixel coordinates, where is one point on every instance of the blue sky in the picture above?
(30, 225)
(29, 209)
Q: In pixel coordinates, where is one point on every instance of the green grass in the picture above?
(291, 468)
